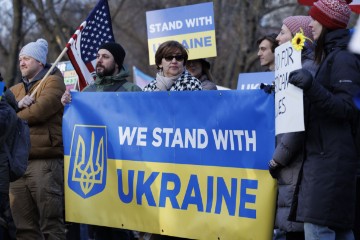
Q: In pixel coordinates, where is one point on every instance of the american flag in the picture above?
(90, 35)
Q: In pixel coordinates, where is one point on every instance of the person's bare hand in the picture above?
(26, 102)
(66, 98)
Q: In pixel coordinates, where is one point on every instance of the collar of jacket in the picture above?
(336, 39)
(39, 76)
(122, 75)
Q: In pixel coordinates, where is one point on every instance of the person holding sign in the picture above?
(288, 155)
(170, 59)
(326, 197)
(200, 68)
(111, 76)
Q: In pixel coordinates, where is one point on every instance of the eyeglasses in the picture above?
(178, 58)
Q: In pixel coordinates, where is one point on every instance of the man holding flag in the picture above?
(37, 198)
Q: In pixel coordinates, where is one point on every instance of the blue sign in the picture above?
(180, 20)
(251, 81)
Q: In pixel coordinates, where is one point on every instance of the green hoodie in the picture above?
(117, 83)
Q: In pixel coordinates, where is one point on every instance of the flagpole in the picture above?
(50, 70)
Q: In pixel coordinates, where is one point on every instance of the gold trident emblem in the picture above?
(86, 169)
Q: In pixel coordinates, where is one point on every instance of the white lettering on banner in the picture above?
(250, 86)
(197, 138)
(228, 137)
(163, 27)
(234, 140)
(178, 24)
(129, 134)
(200, 21)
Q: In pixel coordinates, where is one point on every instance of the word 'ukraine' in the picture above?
(134, 186)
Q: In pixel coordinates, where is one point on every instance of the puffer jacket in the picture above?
(327, 189)
(8, 120)
(44, 116)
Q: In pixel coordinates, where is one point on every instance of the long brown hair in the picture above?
(320, 46)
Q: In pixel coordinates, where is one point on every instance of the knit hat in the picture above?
(294, 23)
(332, 14)
(37, 50)
(116, 50)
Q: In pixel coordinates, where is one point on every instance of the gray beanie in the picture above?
(37, 50)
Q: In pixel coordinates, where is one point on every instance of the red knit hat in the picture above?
(294, 23)
(332, 14)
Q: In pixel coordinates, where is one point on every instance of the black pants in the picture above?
(295, 236)
(6, 221)
(108, 233)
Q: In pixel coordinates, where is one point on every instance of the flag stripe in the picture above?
(84, 44)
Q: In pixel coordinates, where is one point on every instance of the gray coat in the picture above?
(289, 153)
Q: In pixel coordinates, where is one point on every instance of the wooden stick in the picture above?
(50, 70)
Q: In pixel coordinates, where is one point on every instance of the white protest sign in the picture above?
(354, 45)
(289, 106)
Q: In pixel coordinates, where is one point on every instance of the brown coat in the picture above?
(45, 115)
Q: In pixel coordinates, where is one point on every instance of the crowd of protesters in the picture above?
(311, 167)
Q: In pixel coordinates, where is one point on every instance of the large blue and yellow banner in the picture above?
(188, 164)
(193, 26)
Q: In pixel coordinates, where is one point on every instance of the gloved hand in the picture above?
(301, 78)
(164, 84)
(274, 168)
(267, 88)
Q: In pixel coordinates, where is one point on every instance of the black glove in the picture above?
(301, 78)
(274, 168)
(267, 88)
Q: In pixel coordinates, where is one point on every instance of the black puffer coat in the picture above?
(327, 189)
(8, 120)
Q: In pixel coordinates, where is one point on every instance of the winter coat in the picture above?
(327, 189)
(44, 116)
(117, 83)
(186, 82)
(8, 120)
(289, 153)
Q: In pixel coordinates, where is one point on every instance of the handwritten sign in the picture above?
(354, 45)
(289, 106)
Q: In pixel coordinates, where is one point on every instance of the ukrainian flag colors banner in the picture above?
(188, 164)
(192, 25)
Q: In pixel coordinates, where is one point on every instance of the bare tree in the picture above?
(16, 36)
(238, 25)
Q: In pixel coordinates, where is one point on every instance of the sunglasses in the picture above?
(178, 58)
